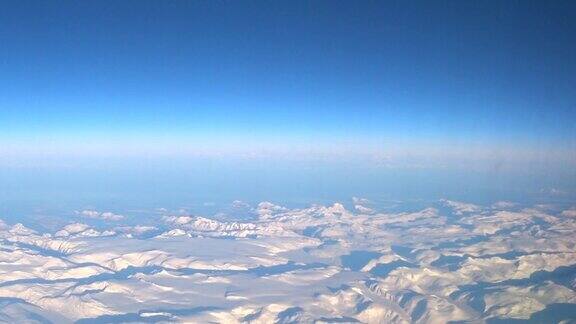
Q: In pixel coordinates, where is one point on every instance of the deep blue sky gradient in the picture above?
(117, 104)
(421, 69)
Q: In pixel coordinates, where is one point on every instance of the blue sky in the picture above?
(419, 83)
(264, 100)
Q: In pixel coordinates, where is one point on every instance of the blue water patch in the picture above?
(339, 320)
(383, 269)
(311, 231)
(451, 262)
(402, 251)
(356, 260)
(553, 313)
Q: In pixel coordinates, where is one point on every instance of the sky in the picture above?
(308, 85)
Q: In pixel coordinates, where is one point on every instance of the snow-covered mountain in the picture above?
(452, 261)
